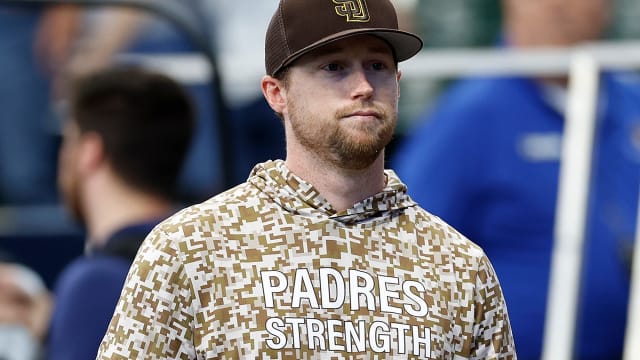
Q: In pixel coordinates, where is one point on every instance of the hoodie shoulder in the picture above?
(437, 235)
(220, 207)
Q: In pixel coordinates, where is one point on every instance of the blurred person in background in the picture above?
(25, 309)
(123, 148)
(122, 34)
(486, 159)
(77, 40)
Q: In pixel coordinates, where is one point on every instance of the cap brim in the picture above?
(405, 44)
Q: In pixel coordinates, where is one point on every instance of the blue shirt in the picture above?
(86, 295)
(486, 160)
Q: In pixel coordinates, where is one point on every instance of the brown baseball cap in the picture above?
(299, 26)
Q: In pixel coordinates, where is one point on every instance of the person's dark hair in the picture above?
(145, 121)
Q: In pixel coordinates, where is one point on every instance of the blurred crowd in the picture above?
(470, 154)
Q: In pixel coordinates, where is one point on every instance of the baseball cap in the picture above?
(299, 26)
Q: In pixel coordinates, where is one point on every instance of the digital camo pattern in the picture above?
(267, 270)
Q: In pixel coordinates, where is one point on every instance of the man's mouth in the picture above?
(364, 113)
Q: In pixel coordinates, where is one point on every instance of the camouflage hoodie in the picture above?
(269, 270)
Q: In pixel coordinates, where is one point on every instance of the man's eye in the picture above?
(378, 66)
(332, 67)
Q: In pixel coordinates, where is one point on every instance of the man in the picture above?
(322, 255)
(486, 159)
(122, 151)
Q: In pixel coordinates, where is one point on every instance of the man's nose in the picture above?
(361, 84)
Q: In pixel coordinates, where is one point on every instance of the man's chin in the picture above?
(359, 158)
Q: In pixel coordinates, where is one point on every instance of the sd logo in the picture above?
(353, 10)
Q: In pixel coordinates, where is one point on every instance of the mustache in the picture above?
(379, 111)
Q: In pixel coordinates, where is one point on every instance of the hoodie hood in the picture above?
(297, 196)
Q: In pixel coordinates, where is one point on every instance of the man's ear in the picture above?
(275, 93)
(91, 152)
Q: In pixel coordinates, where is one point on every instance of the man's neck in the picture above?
(111, 208)
(340, 187)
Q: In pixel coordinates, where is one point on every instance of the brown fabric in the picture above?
(299, 26)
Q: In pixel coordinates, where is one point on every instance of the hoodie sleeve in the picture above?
(492, 337)
(154, 317)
